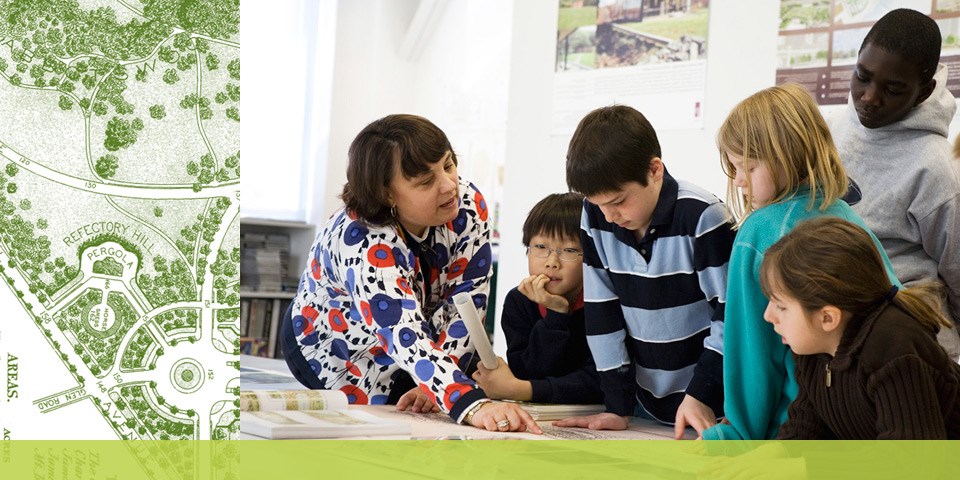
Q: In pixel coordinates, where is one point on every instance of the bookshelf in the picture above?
(274, 253)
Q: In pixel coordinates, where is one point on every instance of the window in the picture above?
(288, 76)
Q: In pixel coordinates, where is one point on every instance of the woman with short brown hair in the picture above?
(374, 314)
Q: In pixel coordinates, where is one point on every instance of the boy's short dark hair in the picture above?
(557, 215)
(611, 146)
(413, 141)
(910, 34)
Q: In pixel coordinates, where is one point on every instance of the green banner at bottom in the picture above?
(475, 459)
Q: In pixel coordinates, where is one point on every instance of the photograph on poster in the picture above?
(846, 45)
(804, 14)
(619, 33)
(950, 32)
(802, 51)
(848, 12)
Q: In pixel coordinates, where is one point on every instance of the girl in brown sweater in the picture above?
(868, 364)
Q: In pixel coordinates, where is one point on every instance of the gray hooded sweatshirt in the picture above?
(910, 185)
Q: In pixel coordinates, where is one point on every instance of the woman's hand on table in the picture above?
(417, 402)
(504, 417)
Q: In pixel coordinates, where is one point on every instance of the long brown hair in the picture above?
(830, 261)
(783, 128)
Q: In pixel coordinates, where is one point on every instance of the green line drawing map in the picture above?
(119, 227)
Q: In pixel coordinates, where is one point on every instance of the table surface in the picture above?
(438, 426)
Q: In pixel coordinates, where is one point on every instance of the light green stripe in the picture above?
(348, 459)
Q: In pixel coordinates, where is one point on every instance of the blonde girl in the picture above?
(868, 363)
(783, 168)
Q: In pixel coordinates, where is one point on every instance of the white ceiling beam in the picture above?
(424, 22)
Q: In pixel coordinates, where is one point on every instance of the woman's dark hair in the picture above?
(557, 215)
(830, 261)
(413, 141)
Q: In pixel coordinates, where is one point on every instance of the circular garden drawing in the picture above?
(186, 375)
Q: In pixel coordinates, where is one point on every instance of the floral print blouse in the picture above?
(374, 300)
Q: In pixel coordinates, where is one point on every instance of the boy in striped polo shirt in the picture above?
(655, 275)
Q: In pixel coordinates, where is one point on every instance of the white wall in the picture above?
(462, 85)
(369, 81)
(457, 79)
(741, 59)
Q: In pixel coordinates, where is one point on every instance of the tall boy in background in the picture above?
(655, 274)
(892, 138)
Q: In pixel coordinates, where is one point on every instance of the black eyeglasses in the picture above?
(565, 254)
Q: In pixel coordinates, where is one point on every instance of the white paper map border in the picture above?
(119, 234)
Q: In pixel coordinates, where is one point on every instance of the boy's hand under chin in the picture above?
(534, 287)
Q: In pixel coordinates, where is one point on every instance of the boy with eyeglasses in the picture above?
(547, 353)
(655, 260)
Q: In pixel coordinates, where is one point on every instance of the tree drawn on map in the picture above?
(119, 201)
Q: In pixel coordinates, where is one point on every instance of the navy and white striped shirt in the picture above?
(654, 307)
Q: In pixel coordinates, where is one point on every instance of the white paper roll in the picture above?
(468, 313)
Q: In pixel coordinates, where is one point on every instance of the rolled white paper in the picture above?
(468, 313)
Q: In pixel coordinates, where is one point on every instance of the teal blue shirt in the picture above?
(758, 378)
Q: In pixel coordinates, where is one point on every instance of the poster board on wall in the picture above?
(819, 41)
(649, 54)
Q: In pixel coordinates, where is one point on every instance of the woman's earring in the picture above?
(393, 211)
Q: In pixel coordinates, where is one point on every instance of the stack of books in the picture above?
(264, 261)
(309, 414)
